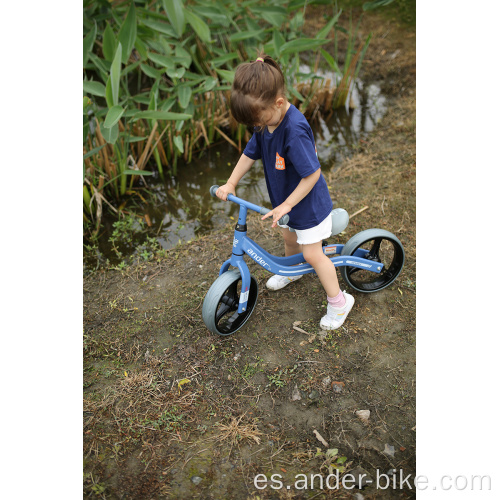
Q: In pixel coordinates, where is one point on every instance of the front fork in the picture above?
(238, 261)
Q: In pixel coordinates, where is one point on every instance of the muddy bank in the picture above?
(172, 411)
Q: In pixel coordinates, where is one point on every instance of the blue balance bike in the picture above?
(370, 261)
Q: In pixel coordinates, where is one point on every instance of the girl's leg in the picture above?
(324, 267)
(291, 245)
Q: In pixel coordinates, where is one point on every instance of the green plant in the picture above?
(124, 231)
(404, 10)
(331, 460)
(168, 420)
(251, 369)
(98, 489)
(275, 379)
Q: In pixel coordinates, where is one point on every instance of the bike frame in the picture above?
(286, 266)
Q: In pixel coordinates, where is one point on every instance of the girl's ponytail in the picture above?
(256, 86)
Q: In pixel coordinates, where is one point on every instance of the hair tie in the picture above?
(259, 59)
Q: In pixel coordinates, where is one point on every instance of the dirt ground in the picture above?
(173, 411)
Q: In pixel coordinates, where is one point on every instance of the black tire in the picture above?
(220, 307)
(381, 246)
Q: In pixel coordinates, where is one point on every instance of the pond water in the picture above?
(183, 207)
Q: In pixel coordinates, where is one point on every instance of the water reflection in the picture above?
(184, 207)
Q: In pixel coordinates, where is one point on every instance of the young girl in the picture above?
(284, 141)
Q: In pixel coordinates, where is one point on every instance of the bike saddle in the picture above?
(340, 220)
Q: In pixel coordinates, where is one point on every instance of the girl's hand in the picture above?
(224, 190)
(278, 212)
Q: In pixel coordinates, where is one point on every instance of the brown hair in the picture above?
(256, 87)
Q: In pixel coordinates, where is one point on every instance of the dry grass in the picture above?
(140, 402)
(237, 432)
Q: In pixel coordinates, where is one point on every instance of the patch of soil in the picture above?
(173, 411)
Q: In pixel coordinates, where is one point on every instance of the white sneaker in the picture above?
(335, 316)
(277, 282)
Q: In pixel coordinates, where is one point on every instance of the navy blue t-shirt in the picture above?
(288, 155)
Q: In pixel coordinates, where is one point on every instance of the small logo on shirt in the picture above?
(280, 162)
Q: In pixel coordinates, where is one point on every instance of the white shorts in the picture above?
(314, 234)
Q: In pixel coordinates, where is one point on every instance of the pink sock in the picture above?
(337, 301)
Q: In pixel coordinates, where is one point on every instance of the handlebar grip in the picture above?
(283, 221)
(213, 190)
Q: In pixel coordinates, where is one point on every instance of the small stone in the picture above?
(389, 450)
(326, 382)
(314, 395)
(196, 480)
(337, 386)
(363, 415)
(296, 394)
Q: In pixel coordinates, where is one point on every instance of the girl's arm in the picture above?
(297, 195)
(242, 167)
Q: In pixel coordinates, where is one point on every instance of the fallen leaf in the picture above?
(182, 382)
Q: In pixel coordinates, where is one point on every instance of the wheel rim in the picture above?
(227, 319)
(377, 249)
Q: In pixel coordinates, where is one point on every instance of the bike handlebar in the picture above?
(261, 210)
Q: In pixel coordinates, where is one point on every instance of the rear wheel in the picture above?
(377, 245)
(220, 307)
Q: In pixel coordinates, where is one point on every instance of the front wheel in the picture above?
(378, 245)
(220, 307)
